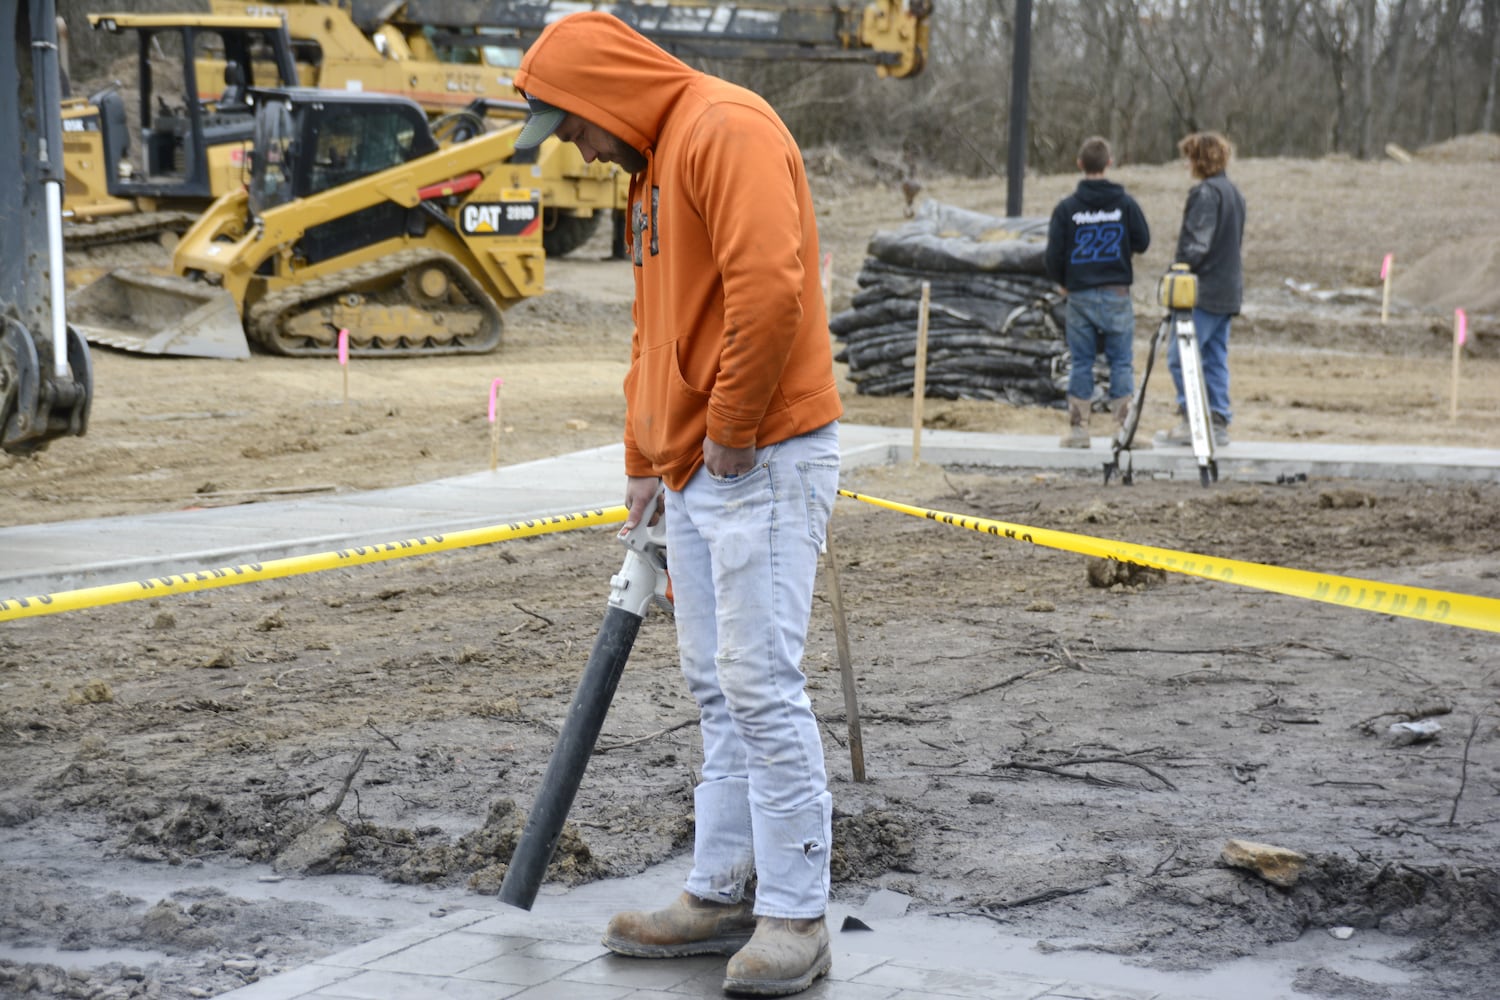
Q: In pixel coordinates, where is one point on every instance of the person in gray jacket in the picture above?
(1213, 227)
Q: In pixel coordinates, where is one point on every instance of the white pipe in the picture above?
(59, 291)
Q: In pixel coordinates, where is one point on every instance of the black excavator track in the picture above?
(127, 228)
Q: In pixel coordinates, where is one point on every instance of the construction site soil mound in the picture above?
(205, 789)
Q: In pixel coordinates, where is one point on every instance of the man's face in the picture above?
(594, 143)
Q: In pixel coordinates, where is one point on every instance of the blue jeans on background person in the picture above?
(1213, 351)
(743, 553)
(1094, 316)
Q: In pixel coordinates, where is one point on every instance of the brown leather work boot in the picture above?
(689, 926)
(783, 957)
(1078, 423)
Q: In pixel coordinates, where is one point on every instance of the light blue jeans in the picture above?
(1212, 330)
(743, 555)
(1095, 317)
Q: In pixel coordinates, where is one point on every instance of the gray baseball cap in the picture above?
(540, 123)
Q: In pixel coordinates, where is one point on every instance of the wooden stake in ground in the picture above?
(344, 361)
(846, 667)
(919, 377)
(1460, 334)
(495, 422)
(1385, 278)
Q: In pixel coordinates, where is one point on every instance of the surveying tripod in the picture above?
(1178, 293)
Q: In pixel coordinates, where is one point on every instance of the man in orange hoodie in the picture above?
(731, 404)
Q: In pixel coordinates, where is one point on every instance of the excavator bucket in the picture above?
(159, 314)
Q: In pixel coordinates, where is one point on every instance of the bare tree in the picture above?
(1365, 105)
(1394, 60)
(1280, 77)
(1489, 12)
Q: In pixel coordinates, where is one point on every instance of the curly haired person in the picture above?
(1213, 228)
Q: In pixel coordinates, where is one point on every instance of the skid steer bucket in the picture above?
(159, 314)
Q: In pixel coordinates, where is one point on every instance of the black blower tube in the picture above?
(596, 689)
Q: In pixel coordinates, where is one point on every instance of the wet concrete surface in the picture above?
(430, 941)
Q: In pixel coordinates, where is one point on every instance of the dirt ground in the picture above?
(1062, 760)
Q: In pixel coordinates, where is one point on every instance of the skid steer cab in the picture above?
(352, 218)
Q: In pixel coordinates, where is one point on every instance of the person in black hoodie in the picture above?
(1213, 227)
(1093, 233)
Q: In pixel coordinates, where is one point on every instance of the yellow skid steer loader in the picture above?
(353, 221)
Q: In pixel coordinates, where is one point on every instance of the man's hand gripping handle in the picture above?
(643, 577)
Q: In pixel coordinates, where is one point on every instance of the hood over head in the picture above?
(596, 66)
(1096, 192)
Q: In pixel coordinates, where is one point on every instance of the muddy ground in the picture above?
(1061, 760)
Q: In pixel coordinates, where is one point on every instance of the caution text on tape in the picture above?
(1440, 606)
(140, 590)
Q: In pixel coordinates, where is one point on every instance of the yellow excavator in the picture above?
(891, 35)
(443, 53)
(355, 231)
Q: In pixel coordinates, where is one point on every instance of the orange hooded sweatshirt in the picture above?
(731, 334)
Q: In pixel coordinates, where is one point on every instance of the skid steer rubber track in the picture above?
(408, 304)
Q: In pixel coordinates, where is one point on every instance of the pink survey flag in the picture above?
(494, 393)
(1385, 267)
(1460, 326)
(343, 347)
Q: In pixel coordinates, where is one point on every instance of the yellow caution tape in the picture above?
(1444, 607)
(140, 590)
(1439, 606)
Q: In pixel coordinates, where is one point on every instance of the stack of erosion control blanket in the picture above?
(994, 327)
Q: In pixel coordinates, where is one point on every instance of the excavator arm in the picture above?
(890, 34)
(46, 380)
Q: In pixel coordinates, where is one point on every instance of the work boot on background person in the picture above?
(689, 926)
(1179, 436)
(1078, 424)
(784, 957)
(1121, 409)
(1221, 430)
(1183, 435)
